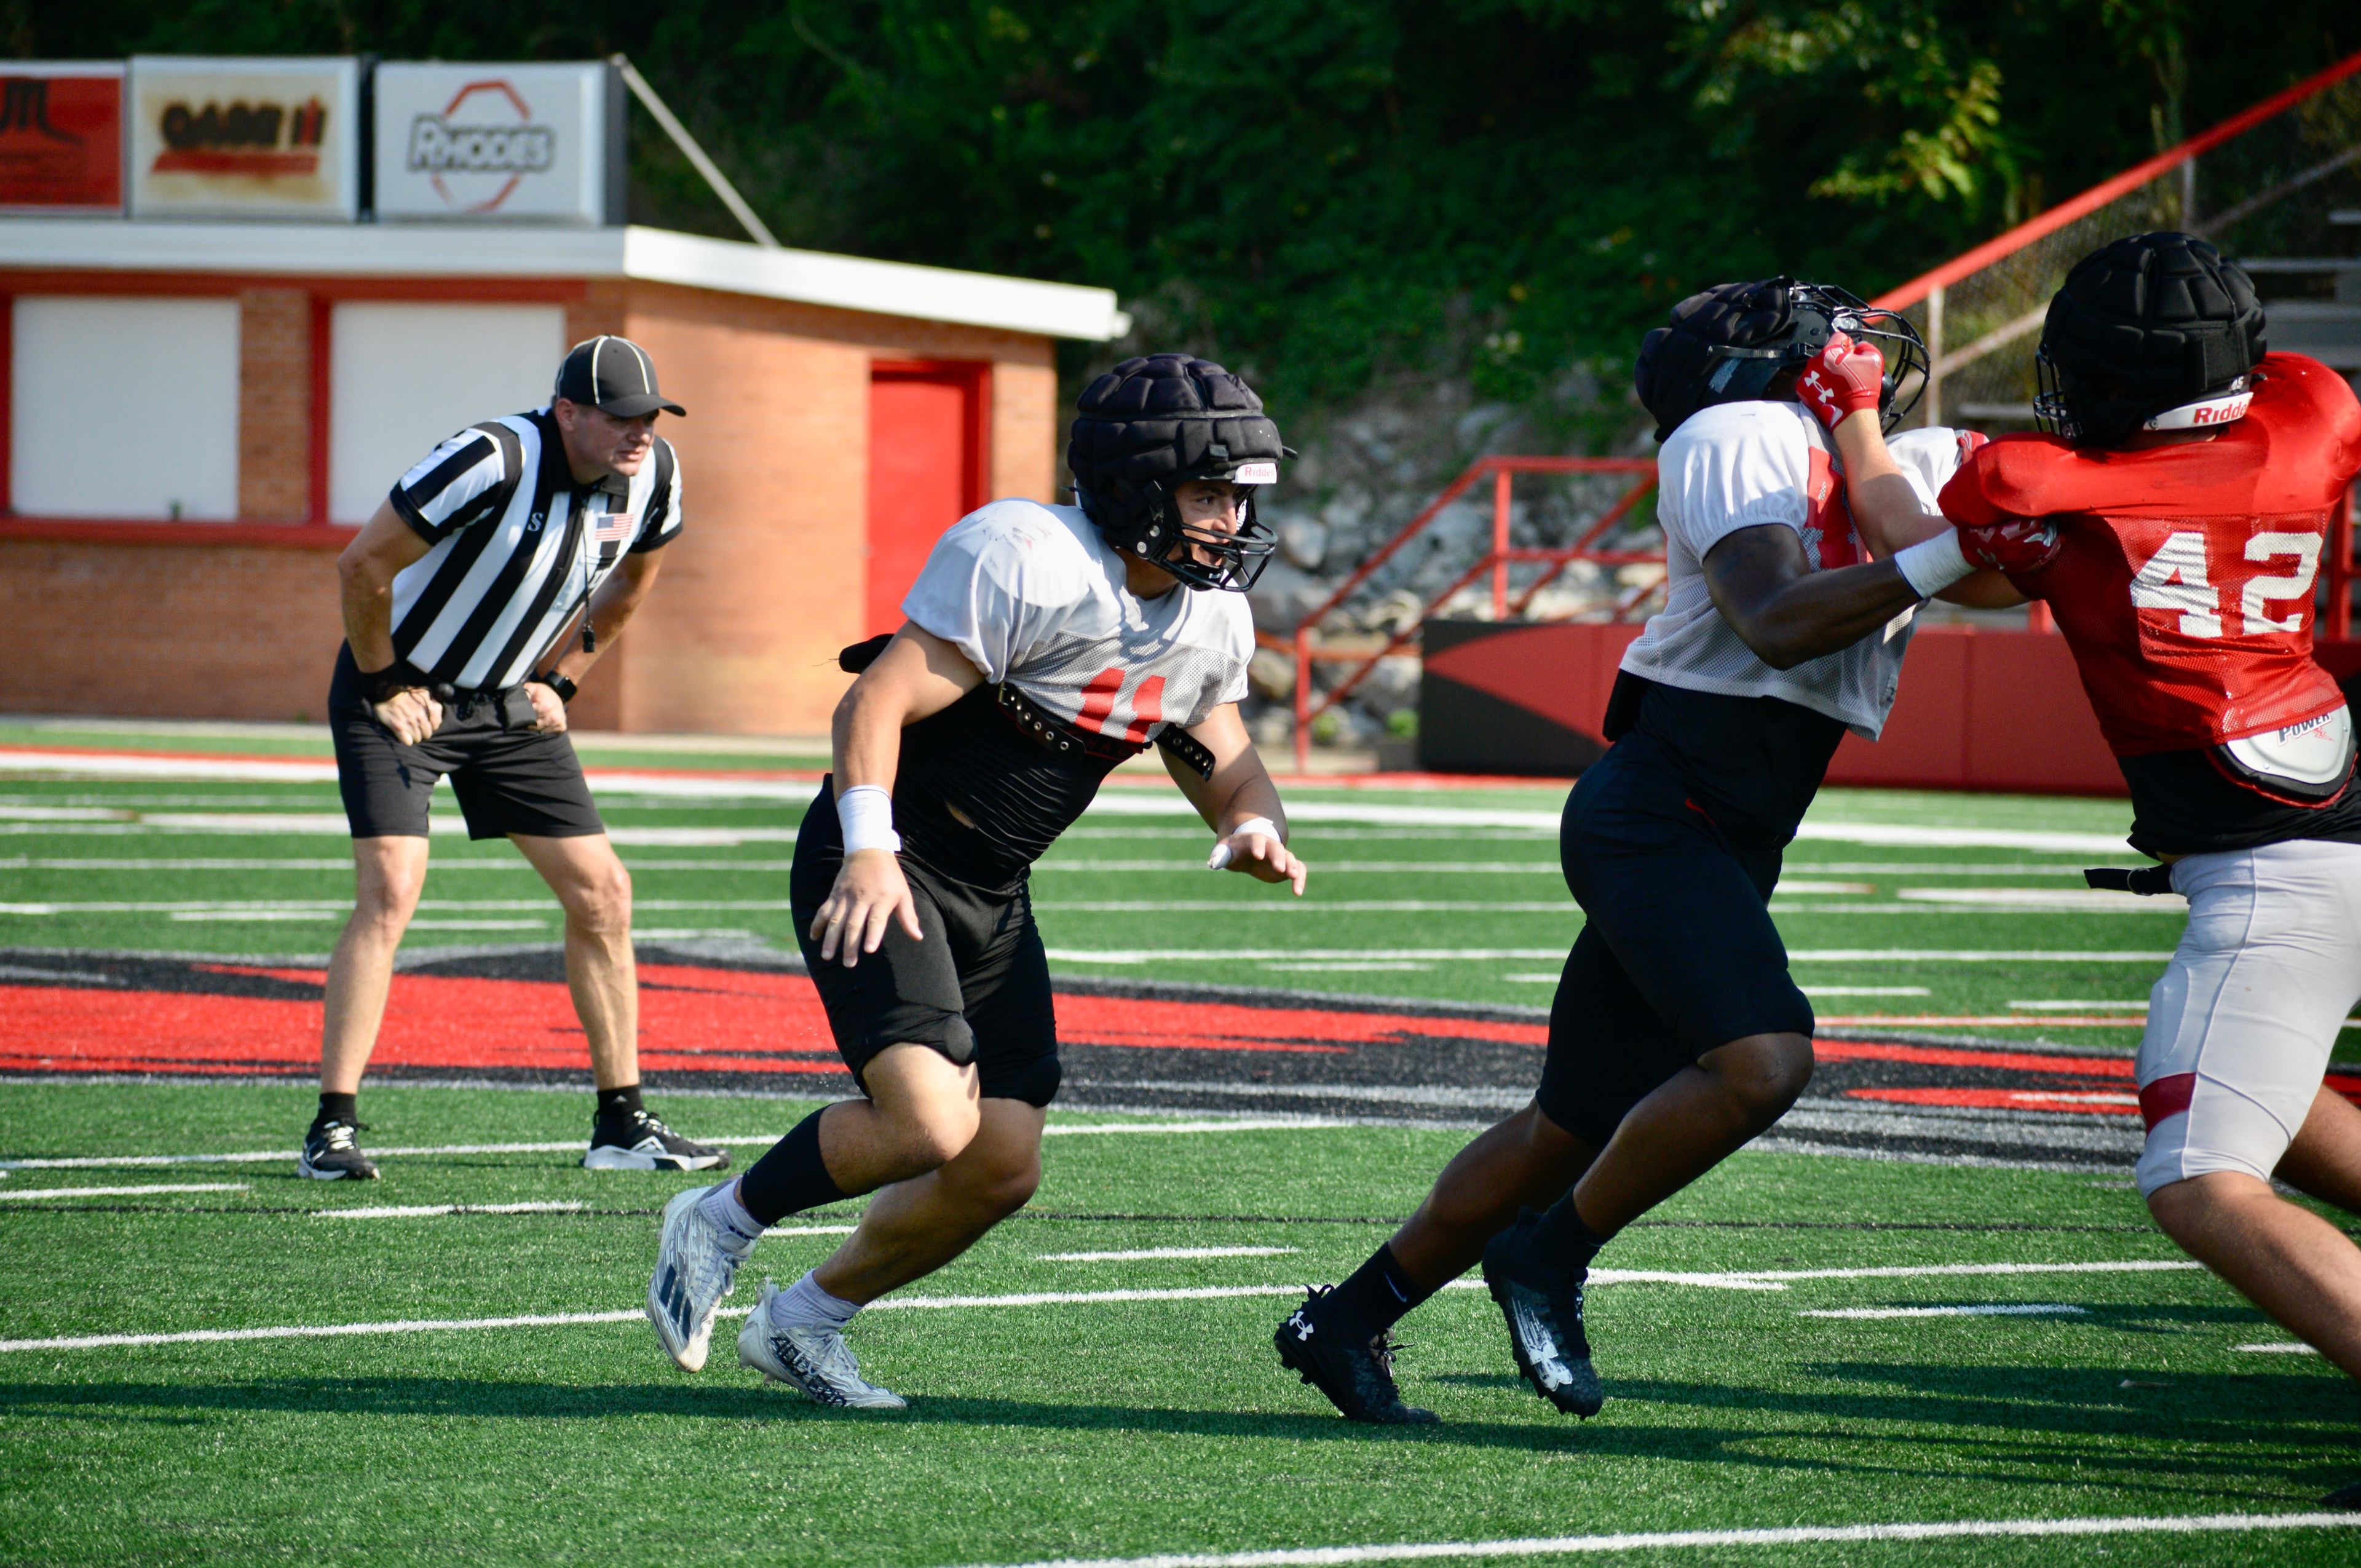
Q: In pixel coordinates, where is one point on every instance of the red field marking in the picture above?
(2086, 1101)
(1942, 1056)
(691, 1019)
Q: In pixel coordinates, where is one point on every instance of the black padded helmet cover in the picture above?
(1153, 421)
(1677, 360)
(2143, 326)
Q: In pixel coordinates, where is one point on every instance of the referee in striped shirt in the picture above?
(462, 601)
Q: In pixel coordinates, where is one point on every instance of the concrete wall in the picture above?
(753, 601)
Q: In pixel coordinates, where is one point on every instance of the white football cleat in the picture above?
(809, 1356)
(694, 1272)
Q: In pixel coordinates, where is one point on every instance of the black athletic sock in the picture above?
(619, 1106)
(1563, 1238)
(1374, 1297)
(344, 1108)
(792, 1177)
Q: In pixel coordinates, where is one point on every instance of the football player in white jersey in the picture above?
(1044, 645)
(1676, 1034)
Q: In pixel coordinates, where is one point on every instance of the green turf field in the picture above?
(1110, 1406)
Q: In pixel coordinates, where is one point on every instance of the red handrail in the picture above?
(1496, 560)
(2107, 190)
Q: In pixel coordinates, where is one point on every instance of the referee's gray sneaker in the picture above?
(642, 1142)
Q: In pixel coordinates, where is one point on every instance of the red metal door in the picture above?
(927, 442)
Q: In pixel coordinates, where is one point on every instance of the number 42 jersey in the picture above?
(2184, 588)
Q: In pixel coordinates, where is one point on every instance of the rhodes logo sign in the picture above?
(514, 143)
(61, 137)
(244, 137)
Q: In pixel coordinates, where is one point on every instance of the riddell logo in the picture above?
(2223, 413)
(477, 166)
(261, 141)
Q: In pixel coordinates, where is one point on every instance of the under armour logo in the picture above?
(1302, 1325)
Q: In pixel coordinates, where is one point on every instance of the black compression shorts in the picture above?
(976, 990)
(1678, 954)
(509, 779)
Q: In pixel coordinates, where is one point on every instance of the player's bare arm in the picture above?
(1239, 803)
(917, 675)
(611, 609)
(366, 570)
(1844, 385)
(1763, 585)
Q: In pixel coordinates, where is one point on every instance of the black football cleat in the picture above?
(331, 1154)
(642, 1142)
(1357, 1375)
(1542, 1307)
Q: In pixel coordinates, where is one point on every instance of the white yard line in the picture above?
(1793, 1535)
(1989, 1310)
(1234, 1125)
(252, 1157)
(25, 1192)
(2277, 1348)
(1950, 1270)
(892, 1303)
(1527, 955)
(422, 1210)
(1231, 955)
(1765, 1279)
(1148, 1254)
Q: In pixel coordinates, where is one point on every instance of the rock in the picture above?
(1391, 687)
(1274, 727)
(1271, 674)
(1304, 543)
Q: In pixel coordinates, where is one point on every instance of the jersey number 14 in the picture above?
(2179, 577)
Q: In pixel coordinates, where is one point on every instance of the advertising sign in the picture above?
(245, 139)
(61, 137)
(493, 143)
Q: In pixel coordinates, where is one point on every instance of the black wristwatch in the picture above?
(560, 685)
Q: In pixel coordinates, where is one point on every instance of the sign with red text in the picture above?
(245, 139)
(61, 137)
(495, 143)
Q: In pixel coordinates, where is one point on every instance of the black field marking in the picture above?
(1433, 1076)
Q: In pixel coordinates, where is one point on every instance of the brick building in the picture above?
(200, 414)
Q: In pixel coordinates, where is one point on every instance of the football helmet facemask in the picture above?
(1150, 426)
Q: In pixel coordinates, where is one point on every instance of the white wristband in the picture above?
(1220, 858)
(1933, 564)
(865, 812)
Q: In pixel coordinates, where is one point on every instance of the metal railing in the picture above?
(1302, 641)
(2268, 181)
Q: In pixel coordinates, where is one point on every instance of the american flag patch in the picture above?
(614, 527)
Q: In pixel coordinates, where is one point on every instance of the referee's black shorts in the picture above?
(508, 778)
(1677, 954)
(976, 990)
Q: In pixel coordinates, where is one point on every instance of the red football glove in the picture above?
(2018, 545)
(1843, 377)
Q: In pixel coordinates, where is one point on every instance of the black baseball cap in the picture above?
(615, 376)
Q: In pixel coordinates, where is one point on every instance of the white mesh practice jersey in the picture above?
(1743, 464)
(1034, 596)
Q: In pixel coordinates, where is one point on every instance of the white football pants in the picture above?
(2241, 1025)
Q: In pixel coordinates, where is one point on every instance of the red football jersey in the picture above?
(2184, 586)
